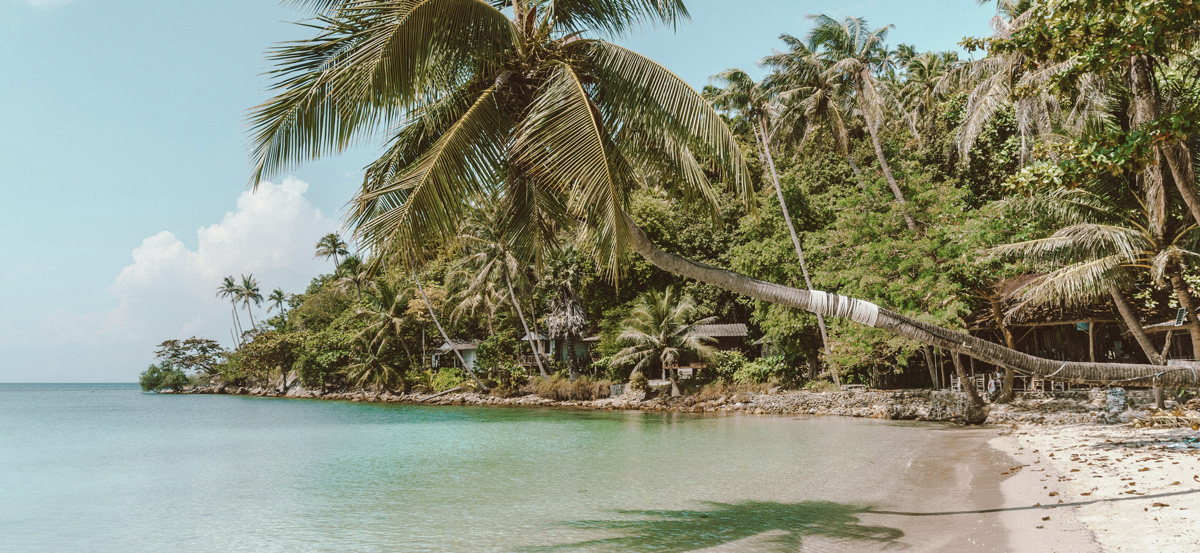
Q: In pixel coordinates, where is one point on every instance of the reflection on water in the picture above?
(109, 469)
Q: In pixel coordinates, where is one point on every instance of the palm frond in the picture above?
(614, 17)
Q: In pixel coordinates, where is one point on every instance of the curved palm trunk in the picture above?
(533, 341)
(1010, 375)
(787, 218)
(445, 336)
(867, 313)
(1139, 334)
(237, 327)
(1184, 295)
(1135, 327)
(1146, 108)
(891, 180)
(251, 315)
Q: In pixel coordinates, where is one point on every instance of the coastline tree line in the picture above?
(856, 206)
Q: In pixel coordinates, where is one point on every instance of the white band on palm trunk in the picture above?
(835, 305)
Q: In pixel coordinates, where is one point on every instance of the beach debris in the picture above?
(1177, 418)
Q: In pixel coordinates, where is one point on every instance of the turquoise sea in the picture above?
(107, 468)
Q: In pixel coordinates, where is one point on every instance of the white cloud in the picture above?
(169, 291)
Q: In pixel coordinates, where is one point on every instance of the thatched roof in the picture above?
(720, 331)
(460, 345)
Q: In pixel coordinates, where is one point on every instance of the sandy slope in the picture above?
(1134, 489)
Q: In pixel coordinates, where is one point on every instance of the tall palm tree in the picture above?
(853, 52)
(331, 245)
(229, 289)
(247, 293)
(385, 310)
(531, 111)
(927, 78)
(491, 104)
(659, 330)
(355, 275)
(493, 262)
(811, 97)
(445, 337)
(753, 101)
(565, 319)
(277, 301)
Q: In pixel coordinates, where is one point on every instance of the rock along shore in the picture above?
(920, 405)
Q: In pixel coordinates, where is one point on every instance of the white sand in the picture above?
(1128, 486)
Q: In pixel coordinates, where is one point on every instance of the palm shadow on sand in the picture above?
(783, 525)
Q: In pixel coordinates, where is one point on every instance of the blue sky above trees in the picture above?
(123, 161)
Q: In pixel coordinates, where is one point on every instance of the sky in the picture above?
(123, 161)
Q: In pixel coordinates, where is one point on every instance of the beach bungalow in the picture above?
(724, 337)
(444, 356)
(554, 349)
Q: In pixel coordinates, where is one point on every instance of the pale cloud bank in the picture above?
(169, 291)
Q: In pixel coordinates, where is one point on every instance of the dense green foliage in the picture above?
(163, 376)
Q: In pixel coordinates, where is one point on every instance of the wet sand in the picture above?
(967, 494)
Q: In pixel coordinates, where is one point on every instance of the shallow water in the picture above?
(108, 468)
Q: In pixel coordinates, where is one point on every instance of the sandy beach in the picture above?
(1132, 489)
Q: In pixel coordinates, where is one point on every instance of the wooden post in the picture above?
(1092, 341)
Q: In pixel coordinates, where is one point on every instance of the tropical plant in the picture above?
(163, 376)
(331, 245)
(658, 331)
(247, 293)
(547, 122)
(740, 93)
(194, 354)
(278, 301)
(566, 318)
(494, 265)
(853, 52)
(229, 289)
(386, 312)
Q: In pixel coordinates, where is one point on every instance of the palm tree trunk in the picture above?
(1139, 334)
(858, 178)
(977, 410)
(1179, 159)
(1184, 295)
(251, 314)
(446, 337)
(1134, 326)
(869, 314)
(787, 218)
(237, 327)
(891, 180)
(1006, 391)
(534, 342)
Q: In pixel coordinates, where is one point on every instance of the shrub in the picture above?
(727, 363)
(561, 389)
(821, 386)
(508, 375)
(639, 382)
(163, 376)
(761, 370)
(448, 378)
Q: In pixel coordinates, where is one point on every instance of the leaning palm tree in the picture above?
(247, 293)
(492, 107)
(853, 52)
(331, 245)
(659, 331)
(753, 101)
(229, 289)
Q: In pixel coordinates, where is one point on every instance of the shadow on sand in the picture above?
(781, 527)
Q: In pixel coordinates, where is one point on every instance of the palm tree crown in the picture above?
(555, 126)
(331, 245)
(659, 331)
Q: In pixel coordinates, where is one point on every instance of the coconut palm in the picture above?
(494, 265)
(853, 52)
(927, 78)
(441, 330)
(355, 275)
(331, 245)
(753, 101)
(811, 99)
(372, 369)
(659, 330)
(553, 121)
(277, 300)
(1102, 251)
(229, 289)
(385, 310)
(565, 319)
(247, 293)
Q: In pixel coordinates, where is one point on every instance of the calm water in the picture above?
(107, 468)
